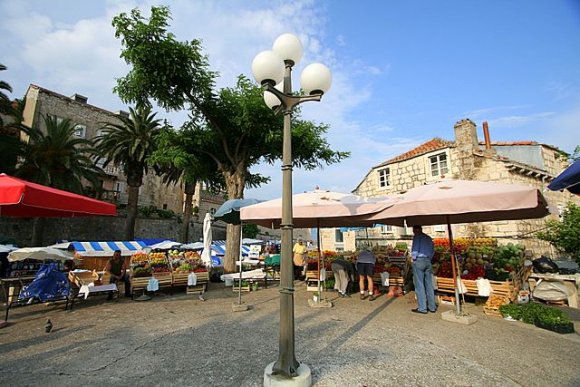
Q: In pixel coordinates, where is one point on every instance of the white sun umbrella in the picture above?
(207, 240)
(39, 253)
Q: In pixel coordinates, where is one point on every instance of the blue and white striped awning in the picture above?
(219, 248)
(106, 249)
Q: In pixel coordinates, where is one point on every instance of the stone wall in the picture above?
(100, 229)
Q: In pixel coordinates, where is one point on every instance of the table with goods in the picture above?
(488, 270)
(171, 269)
(392, 269)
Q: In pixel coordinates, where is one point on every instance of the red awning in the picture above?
(21, 198)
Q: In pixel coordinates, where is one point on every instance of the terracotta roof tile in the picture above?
(430, 146)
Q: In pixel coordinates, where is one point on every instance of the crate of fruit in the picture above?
(491, 307)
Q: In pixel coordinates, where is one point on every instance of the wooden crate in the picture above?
(165, 280)
(139, 284)
(444, 299)
(504, 289)
(491, 311)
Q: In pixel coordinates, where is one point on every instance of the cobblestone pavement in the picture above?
(180, 340)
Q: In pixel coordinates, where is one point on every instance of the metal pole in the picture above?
(286, 363)
(454, 269)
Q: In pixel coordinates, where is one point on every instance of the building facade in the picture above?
(526, 163)
(89, 120)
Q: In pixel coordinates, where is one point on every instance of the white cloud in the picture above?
(518, 121)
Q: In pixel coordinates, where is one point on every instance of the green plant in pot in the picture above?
(511, 310)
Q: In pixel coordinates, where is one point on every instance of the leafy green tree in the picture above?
(57, 158)
(128, 144)
(233, 127)
(179, 160)
(564, 234)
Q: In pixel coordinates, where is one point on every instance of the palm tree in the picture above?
(10, 126)
(57, 159)
(129, 144)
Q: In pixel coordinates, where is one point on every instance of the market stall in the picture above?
(93, 255)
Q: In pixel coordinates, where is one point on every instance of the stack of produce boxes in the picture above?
(477, 258)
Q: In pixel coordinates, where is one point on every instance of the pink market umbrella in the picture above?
(463, 201)
(319, 208)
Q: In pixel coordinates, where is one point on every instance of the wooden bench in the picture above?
(139, 283)
(201, 284)
(17, 284)
(165, 280)
(80, 286)
(499, 288)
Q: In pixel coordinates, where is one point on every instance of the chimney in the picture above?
(79, 98)
(466, 135)
(486, 136)
(122, 113)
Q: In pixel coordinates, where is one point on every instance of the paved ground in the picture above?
(182, 341)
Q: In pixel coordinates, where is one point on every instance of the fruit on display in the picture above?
(139, 257)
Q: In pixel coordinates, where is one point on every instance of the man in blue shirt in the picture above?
(422, 252)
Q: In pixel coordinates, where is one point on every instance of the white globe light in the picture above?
(289, 48)
(268, 67)
(315, 79)
(270, 98)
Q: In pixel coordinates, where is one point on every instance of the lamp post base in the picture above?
(302, 379)
(452, 316)
(236, 307)
(320, 304)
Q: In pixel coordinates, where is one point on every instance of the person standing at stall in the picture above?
(343, 273)
(299, 259)
(422, 252)
(365, 266)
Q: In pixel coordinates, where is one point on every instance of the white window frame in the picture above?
(387, 229)
(439, 228)
(437, 161)
(58, 119)
(80, 131)
(337, 232)
(384, 176)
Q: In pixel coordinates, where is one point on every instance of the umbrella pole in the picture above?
(318, 289)
(454, 269)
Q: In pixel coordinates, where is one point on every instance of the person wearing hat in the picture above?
(299, 259)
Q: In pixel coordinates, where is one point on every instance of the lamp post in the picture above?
(273, 70)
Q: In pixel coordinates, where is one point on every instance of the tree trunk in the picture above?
(189, 190)
(132, 206)
(235, 186)
(37, 232)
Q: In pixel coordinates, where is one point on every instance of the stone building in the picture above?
(89, 120)
(526, 162)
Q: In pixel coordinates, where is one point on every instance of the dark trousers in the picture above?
(125, 278)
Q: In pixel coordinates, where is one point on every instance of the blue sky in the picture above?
(403, 71)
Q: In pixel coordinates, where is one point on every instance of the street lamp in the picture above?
(273, 70)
